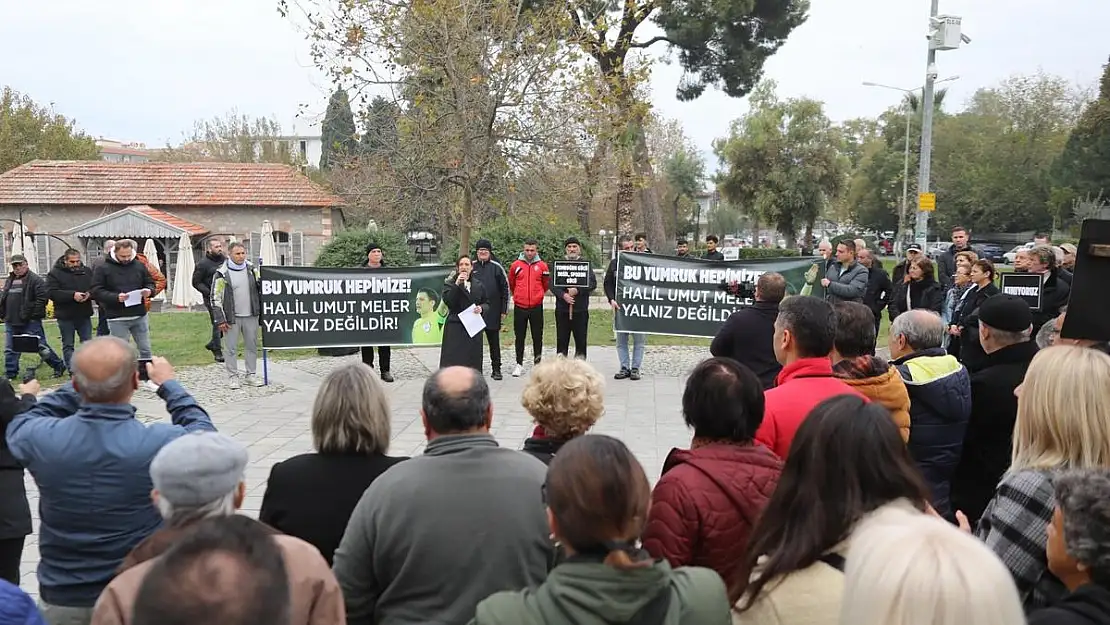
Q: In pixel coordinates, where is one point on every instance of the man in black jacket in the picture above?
(203, 275)
(576, 301)
(748, 335)
(23, 305)
(946, 262)
(711, 251)
(112, 285)
(879, 287)
(1005, 323)
(630, 363)
(102, 317)
(70, 287)
(492, 276)
(15, 513)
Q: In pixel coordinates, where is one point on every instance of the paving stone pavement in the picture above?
(646, 414)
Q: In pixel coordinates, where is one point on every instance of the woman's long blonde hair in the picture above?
(1063, 416)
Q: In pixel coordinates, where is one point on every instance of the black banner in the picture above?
(684, 296)
(1027, 286)
(567, 274)
(320, 307)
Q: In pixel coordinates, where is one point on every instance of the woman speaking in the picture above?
(461, 293)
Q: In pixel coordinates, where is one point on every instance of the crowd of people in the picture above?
(838, 488)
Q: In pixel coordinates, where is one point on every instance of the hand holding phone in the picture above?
(144, 375)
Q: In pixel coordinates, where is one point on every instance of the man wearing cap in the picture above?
(23, 305)
(913, 251)
(572, 308)
(201, 476)
(492, 275)
(1005, 324)
(375, 259)
(89, 456)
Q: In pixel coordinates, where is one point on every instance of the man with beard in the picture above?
(23, 306)
(120, 275)
(69, 284)
(214, 258)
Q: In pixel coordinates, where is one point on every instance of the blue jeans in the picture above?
(82, 328)
(639, 341)
(11, 358)
(134, 327)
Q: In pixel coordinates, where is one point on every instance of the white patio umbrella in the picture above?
(269, 250)
(151, 252)
(17, 241)
(31, 252)
(184, 295)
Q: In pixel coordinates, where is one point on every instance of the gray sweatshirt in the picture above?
(435, 535)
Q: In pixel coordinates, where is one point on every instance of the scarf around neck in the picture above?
(231, 265)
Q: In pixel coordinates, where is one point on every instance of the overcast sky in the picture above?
(136, 70)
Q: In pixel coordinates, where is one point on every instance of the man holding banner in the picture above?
(630, 369)
(375, 259)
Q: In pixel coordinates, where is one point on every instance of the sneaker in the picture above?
(253, 380)
(61, 373)
(518, 371)
(536, 360)
(234, 384)
(387, 376)
(634, 374)
(622, 374)
(497, 375)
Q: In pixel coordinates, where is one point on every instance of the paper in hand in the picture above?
(472, 320)
(134, 298)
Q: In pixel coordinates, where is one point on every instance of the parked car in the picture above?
(1011, 256)
(989, 251)
(885, 246)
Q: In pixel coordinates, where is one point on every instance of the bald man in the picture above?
(462, 475)
(92, 470)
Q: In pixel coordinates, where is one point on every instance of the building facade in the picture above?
(81, 204)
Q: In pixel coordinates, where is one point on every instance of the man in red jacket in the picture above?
(804, 334)
(529, 281)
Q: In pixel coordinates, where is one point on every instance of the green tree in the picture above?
(782, 162)
(723, 44)
(507, 235)
(1082, 170)
(338, 136)
(31, 132)
(379, 133)
(232, 138)
(685, 174)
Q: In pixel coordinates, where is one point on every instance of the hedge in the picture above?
(348, 248)
(507, 235)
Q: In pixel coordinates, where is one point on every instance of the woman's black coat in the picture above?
(459, 348)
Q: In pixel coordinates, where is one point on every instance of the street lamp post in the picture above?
(903, 209)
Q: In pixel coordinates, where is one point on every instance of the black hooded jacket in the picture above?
(1087, 605)
(62, 282)
(113, 278)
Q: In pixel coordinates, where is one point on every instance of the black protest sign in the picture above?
(1090, 299)
(1027, 286)
(319, 307)
(570, 274)
(688, 296)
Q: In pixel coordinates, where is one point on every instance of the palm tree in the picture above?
(913, 100)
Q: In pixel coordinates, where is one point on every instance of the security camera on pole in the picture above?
(944, 34)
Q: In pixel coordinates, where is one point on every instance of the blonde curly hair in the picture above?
(564, 395)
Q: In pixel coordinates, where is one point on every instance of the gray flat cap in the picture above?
(199, 468)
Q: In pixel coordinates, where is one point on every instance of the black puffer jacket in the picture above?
(204, 273)
(34, 297)
(113, 278)
(940, 405)
(62, 282)
(492, 275)
(926, 293)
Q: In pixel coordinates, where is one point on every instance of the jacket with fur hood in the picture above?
(878, 381)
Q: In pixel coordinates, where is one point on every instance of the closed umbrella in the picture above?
(268, 253)
(31, 252)
(151, 252)
(17, 240)
(184, 295)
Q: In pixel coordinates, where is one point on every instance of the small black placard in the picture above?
(571, 273)
(1027, 286)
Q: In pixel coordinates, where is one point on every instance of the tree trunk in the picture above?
(626, 189)
(467, 218)
(755, 229)
(807, 244)
(592, 169)
(649, 199)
